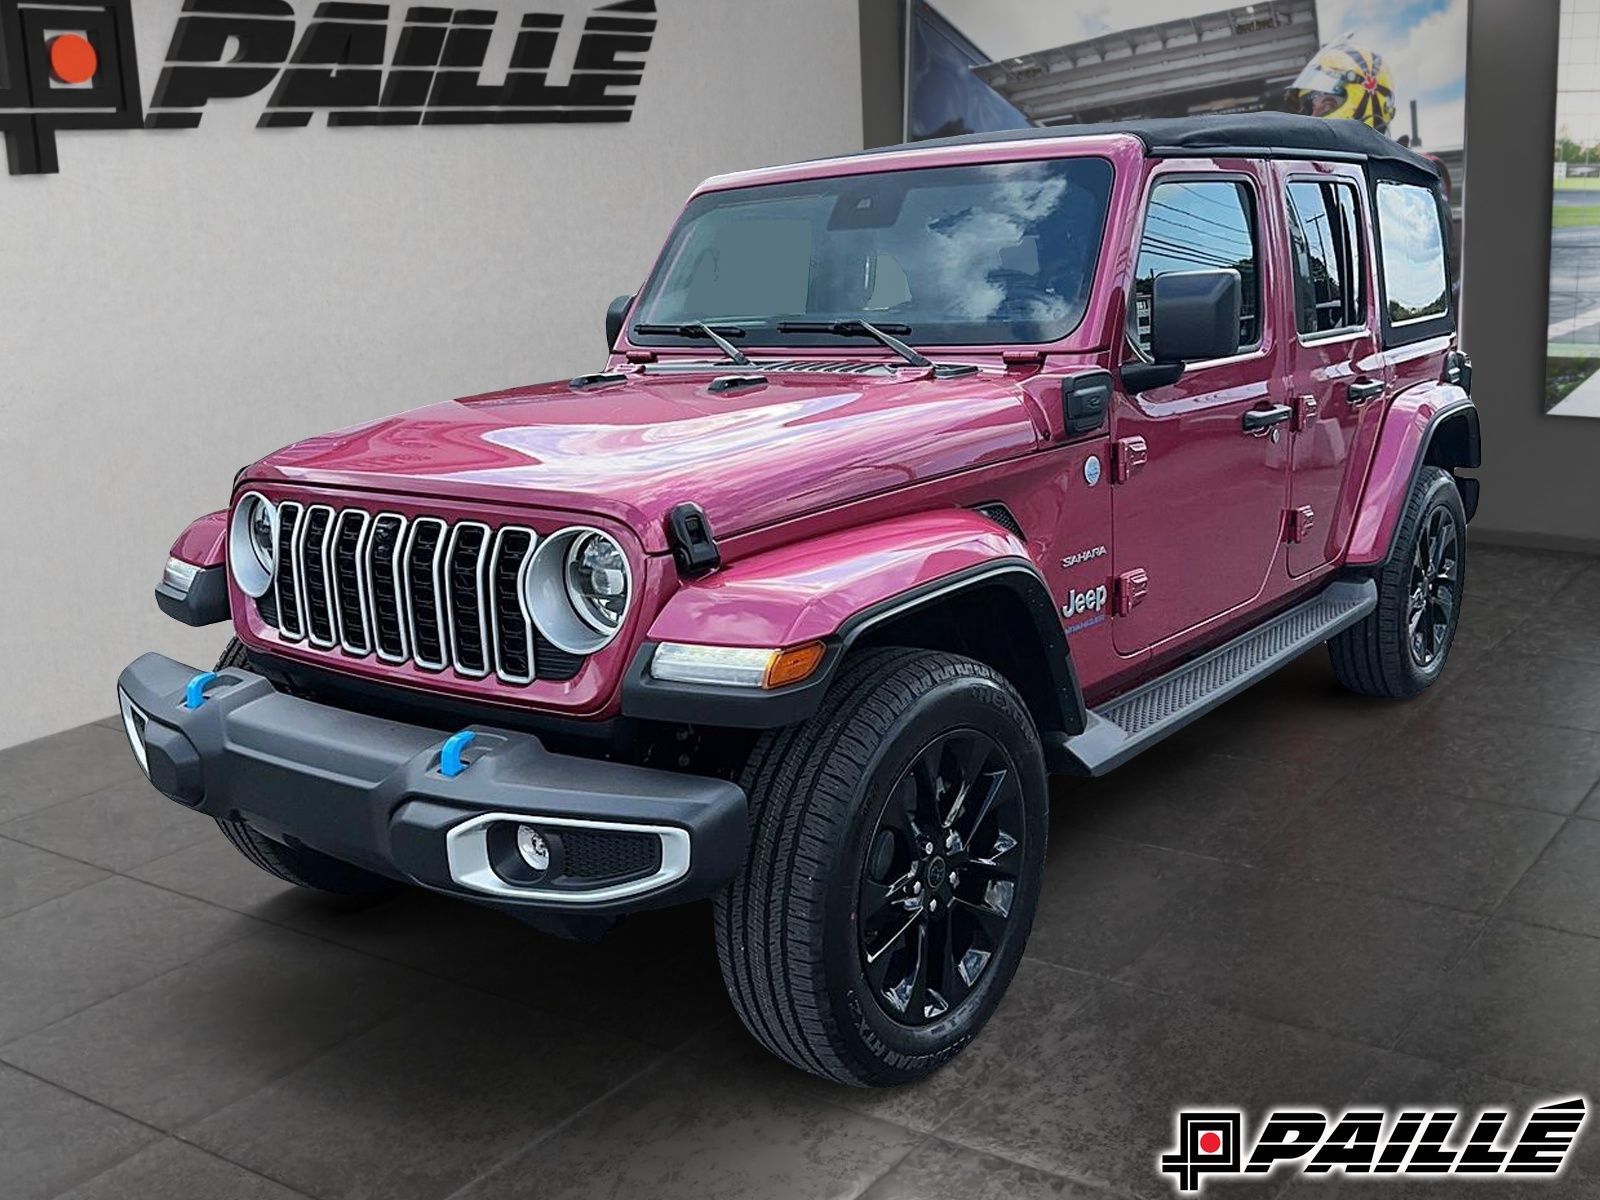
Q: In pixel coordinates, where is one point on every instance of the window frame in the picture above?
(1153, 183)
(1364, 246)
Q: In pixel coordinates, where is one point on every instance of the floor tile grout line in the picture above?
(922, 1140)
(1107, 1189)
(1111, 1192)
(246, 1167)
(55, 804)
(268, 923)
(200, 840)
(281, 925)
(510, 1155)
(1234, 1010)
(1489, 919)
(78, 1012)
(294, 1192)
(104, 875)
(1005, 1062)
(161, 1135)
(1267, 870)
(352, 1035)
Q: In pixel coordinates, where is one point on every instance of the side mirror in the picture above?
(615, 312)
(1194, 316)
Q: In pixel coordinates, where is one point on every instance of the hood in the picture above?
(636, 449)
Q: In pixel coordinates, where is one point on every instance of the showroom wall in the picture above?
(177, 302)
(1541, 475)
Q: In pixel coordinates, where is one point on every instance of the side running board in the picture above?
(1136, 720)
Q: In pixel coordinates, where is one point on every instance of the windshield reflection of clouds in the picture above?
(961, 262)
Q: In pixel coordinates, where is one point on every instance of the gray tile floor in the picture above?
(1304, 897)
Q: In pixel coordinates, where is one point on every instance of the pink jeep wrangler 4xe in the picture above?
(911, 477)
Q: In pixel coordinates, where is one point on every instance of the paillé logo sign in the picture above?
(70, 64)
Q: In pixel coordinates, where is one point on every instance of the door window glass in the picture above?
(1324, 233)
(1199, 225)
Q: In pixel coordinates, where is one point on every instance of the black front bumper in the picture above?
(372, 792)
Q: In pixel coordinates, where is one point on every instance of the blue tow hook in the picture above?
(450, 764)
(195, 694)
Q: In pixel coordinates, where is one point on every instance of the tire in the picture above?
(1380, 656)
(834, 804)
(298, 865)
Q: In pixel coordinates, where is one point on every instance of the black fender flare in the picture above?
(1056, 707)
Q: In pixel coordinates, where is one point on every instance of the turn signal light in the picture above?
(793, 665)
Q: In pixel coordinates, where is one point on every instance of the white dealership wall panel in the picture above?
(174, 304)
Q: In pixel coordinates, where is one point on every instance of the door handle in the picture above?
(1363, 390)
(1259, 420)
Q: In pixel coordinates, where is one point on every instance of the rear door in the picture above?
(1337, 380)
(1199, 523)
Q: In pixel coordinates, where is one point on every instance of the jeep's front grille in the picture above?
(443, 596)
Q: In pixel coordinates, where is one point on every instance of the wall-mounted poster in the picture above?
(1572, 354)
(1399, 65)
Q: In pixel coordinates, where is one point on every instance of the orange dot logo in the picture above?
(72, 59)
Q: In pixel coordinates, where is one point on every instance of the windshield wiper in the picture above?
(699, 329)
(882, 334)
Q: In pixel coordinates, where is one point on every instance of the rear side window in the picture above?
(1415, 284)
(1197, 225)
(1325, 235)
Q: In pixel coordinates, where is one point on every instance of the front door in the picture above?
(1336, 369)
(1199, 524)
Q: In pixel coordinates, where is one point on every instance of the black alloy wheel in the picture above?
(1435, 571)
(940, 876)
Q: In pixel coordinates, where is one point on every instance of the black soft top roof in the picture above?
(1250, 135)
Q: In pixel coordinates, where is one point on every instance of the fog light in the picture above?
(133, 726)
(534, 849)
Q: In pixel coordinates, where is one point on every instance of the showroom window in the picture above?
(1196, 225)
(1324, 233)
(1414, 279)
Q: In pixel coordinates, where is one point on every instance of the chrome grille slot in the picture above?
(466, 564)
(386, 587)
(508, 618)
(349, 583)
(321, 629)
(442, 595)
(424, 576)
(285, 591)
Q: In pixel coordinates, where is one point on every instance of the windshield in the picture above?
(991, 253)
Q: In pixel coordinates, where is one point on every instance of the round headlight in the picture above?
(597, 581)
(577, 589)
(253, 544)
(264, 534)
